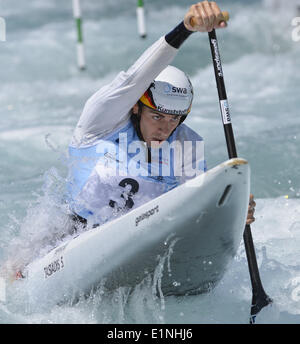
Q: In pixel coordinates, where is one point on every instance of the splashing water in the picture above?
(43, 93)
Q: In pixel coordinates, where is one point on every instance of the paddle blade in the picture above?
(259, 301)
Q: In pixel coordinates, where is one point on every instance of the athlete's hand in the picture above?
(251, 210)
(207, 16)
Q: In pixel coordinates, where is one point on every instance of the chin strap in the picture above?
(135, 119)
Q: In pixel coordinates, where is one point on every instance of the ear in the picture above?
(135, 109)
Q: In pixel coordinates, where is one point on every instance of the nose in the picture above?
(165, 127)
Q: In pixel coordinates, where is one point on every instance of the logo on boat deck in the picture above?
(54, 266)
(2, 30)
(146, 215)
(296, 30)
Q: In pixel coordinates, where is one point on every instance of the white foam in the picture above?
(43, 93)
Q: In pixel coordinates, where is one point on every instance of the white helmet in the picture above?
(170, 93)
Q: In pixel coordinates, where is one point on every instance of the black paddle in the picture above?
(259, 297)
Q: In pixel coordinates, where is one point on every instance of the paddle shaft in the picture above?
(222, 95)
(259, 297)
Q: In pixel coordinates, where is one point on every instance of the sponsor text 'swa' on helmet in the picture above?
(170, 93)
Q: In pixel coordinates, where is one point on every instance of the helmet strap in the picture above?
(182, 119)
(136, 118)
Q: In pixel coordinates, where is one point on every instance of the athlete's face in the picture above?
(157, 127)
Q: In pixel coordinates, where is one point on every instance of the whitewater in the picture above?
(43, 93)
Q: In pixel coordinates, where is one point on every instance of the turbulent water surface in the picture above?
(42, 93)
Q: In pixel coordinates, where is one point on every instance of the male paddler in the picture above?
(130, 144)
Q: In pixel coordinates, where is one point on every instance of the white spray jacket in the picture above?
(109, 172)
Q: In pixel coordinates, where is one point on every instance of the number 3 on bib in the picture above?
(134, 189)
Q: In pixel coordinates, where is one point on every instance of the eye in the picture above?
(156, 117)
(175, 119)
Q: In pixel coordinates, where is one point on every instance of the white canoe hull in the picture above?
(195, 228)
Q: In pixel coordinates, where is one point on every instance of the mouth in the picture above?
(158, 139)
